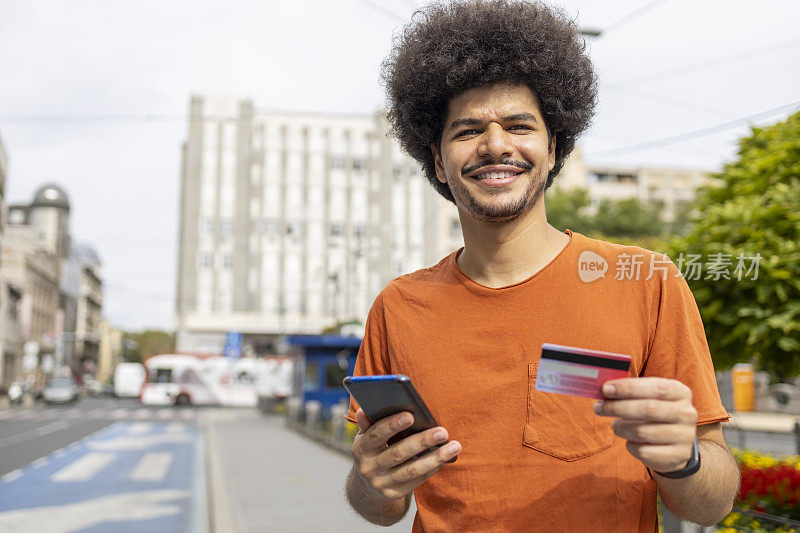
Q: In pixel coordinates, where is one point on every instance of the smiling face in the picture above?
(495, 153)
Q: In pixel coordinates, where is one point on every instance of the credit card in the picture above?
(578, 371)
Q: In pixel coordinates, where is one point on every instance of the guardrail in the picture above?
(307, 420)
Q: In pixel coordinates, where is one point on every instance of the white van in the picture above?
(128, 379)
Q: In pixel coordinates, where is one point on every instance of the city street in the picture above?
(110, 464)
(101, 464)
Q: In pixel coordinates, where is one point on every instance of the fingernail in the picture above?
(597, 406)
(454, 447)
(439, 436)
(609, 389)
(405, 421)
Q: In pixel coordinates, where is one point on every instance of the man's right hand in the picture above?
(392, 472)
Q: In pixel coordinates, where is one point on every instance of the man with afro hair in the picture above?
(489, 97)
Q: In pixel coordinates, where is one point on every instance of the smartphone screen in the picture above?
(386, 395)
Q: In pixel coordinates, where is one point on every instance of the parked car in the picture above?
(16, 392)
(60, 390)
(92, 386)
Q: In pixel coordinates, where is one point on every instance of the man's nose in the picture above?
(495, 142)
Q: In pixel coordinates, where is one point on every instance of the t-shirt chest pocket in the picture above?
(563, 426)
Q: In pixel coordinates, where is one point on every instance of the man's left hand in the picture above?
(655, 416)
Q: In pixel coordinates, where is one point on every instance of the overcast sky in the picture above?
(65, 65)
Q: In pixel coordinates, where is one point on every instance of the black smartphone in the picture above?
(386, 395)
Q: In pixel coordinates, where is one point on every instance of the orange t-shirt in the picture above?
(533, 461)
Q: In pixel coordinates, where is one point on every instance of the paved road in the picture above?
(28, 433)
(127, 468)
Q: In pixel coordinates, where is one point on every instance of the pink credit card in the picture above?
(578, 371)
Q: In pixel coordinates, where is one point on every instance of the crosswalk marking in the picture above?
(175, 427)
(11, 476)
(84, 468)
(141, 413)
(152, 467)
(139, 427)
(164, 414)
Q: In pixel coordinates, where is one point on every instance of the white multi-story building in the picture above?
(292, 223)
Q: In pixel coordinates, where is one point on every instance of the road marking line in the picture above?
(40, 462)
(175, 427)
(11, 476)
(139, 428)
(152, 467)
(61, 452)
(84, 468)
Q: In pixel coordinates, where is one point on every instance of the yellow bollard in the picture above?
(743, 387)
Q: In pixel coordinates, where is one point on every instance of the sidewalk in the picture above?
(768, 422)
(263, 477)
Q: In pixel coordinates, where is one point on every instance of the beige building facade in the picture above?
(110, 350)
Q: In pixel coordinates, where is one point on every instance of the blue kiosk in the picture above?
(322, 363)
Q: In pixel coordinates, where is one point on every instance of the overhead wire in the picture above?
(630, 17)
(704, 64)
(696, 134)
(382, 10)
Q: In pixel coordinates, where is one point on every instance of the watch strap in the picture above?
(691, 467)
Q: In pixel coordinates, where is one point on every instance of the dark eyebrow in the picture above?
(510, 118)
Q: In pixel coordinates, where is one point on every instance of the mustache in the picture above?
(522, 165)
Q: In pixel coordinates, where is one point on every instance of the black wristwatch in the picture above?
(692, 466)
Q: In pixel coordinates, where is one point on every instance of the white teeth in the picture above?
(496, 175)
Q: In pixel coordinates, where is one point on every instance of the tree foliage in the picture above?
(146, 343)
(626, 218)
(754, 209)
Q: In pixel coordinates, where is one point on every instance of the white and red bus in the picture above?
(185, 379)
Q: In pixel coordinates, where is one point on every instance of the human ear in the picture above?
(551, 152)
(437, 164)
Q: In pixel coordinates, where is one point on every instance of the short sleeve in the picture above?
(679, 349)
(373, 356)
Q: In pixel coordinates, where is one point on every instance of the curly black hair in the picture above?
(448, 48)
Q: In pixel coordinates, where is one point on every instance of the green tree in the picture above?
(755, 209)
(569, 209)
(628, 218)
(148, 342)
(613, 219)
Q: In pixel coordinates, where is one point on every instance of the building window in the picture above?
(269, 227)
(397, 169)
(359, 164)
(360, 231)
(226, 228)
(226, 261)
(338, 162)
(311, 381)
(334, 376)
(337, 230)
(209, 226)
(205, 260)
(294, 230)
